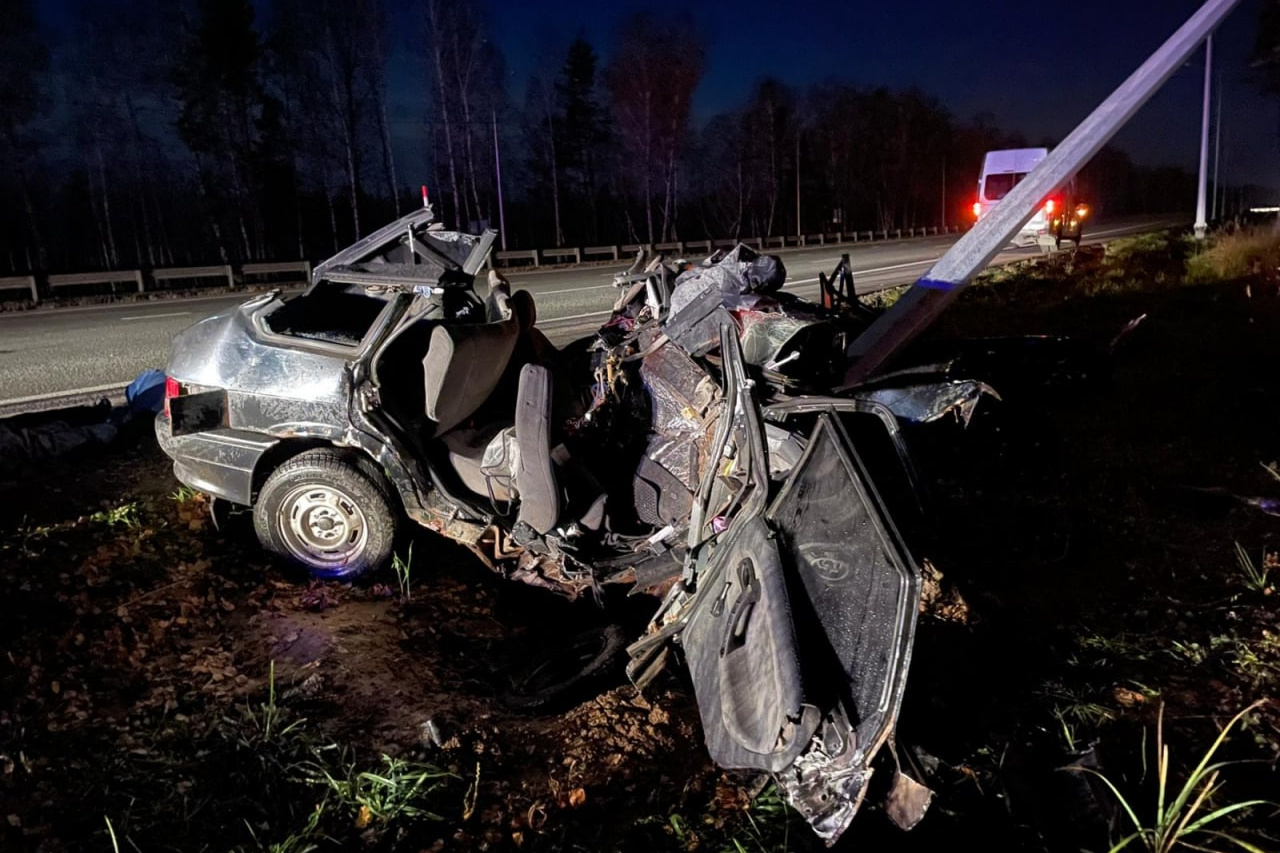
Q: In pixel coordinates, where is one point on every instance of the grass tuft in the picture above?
(1185, 816)
(1236, 255)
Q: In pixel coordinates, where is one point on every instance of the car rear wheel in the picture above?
(327, 515)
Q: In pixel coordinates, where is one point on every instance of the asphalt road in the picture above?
(64, 356)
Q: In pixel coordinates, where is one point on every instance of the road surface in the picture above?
(57, 357)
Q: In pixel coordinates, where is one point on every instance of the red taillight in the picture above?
(977, 209)
(171, 389)
(1049, 206)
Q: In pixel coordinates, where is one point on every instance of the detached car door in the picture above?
(800, 634)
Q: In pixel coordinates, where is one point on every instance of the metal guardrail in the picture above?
(223, 272)
(303, 267)
(111, 277)
(139, 278)
(536, 257)
(26, 282)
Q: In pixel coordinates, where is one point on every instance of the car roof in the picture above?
(412, 250)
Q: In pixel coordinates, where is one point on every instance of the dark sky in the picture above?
(1037, 69)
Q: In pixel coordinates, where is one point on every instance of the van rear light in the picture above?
(1048, 207)
(977, 209)
(171, 389)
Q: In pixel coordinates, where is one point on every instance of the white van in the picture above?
(1061, 216)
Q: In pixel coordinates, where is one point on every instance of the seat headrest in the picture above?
(462, 367)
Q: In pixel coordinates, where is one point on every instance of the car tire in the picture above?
(328, 515)
(554, 681)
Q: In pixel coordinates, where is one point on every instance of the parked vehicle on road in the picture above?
(1060, 217)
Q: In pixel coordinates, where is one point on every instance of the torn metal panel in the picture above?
(931, 401)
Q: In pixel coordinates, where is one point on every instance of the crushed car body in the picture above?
(719, 443)
(691, 449)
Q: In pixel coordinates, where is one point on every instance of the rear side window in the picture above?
(330, 312)
(999, 186)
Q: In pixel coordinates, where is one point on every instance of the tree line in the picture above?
(156, 133)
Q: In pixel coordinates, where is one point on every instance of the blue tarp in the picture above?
(146, 393)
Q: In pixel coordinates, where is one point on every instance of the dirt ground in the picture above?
(165, 686)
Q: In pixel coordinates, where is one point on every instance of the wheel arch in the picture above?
(288, 448)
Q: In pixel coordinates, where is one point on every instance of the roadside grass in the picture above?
(1187, 815)
(1125, 265)
(277, 777)
(126, 514)
(768, 827)
(740, 822)
(397, 789)
(195, 757)
(1257, 576)
(403, 568)
(1233, 255)
(184, 494)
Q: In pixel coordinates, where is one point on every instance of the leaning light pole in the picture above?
(929, 296)
(1201, 225)
(497, 167)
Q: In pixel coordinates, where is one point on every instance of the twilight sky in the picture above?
(1036, 70)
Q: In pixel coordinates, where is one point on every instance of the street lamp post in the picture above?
(799, 228)
(1201, 226)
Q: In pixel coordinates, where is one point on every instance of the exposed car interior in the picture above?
(480, 396)
(331, 312)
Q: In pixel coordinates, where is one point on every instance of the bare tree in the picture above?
(329, 61)
(23, 57)
(223, 108)
(652, 77)
(439, 22)
(379, 86)
(543, 130)
(469, 77)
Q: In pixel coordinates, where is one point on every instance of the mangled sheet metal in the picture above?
(682, 396)
(927, 402)
(740, 280)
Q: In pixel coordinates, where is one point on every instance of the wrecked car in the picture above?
(733, 450)
(691, 449)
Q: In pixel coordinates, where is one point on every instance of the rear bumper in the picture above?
(219, 462)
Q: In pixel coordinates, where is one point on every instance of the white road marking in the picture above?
(125, 306)
(74, 392)
(573, 289)
(896, 267)
(579, 316)
(1128, 228)
(154, 316)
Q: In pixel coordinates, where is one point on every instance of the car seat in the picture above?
(499, 441)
